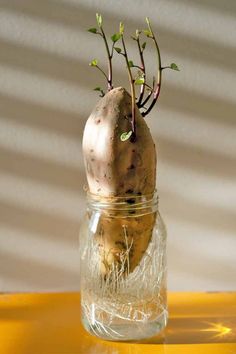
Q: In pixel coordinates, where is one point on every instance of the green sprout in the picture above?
(146, 91)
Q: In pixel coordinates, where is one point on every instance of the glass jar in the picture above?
(123, 267)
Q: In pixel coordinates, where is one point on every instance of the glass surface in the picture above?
(123, 268)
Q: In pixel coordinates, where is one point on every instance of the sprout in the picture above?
(141, 80)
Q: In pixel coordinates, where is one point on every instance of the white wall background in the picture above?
(45, 97)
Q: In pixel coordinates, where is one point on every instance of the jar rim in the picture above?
(128, 201)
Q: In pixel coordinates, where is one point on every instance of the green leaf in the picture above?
(117, 49)
(139, 81)
(94, 62)
(173, 66)
(137, 32)
(100, 90)
(125, 136)
(115, 37)
(93, 30)
(99, 20)
(131, 64)
(122, 28)
(144, 45)
(147, 33)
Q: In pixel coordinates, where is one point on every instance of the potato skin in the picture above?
(115, 167)
(123, 241)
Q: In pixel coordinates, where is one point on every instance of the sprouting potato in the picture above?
(117, 167)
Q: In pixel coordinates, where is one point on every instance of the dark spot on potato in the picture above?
(92, 159)
(98, 121)
(130, 201)
(129, 191)
(133, 150)
(131, 167)
(91, 150)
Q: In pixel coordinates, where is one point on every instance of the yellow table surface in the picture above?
(50, 324)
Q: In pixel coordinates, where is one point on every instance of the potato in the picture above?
(114, 169)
